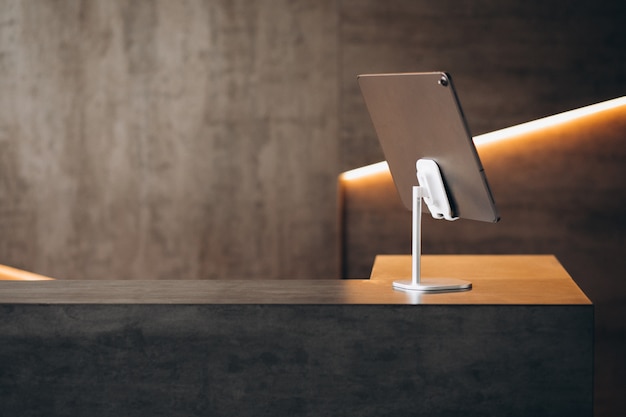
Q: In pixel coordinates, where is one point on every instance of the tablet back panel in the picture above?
(418, 115)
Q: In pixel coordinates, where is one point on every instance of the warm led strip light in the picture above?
(366, 171)
(506, 133)
(549, 121)
(14, 274)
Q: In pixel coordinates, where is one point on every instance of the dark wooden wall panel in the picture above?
(561, 191)
(512, 61)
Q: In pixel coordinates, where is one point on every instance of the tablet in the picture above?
(418, 115)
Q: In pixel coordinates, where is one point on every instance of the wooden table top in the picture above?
(496, 279)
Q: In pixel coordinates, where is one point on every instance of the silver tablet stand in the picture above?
(432, 190)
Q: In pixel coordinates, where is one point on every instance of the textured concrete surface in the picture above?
(202, 138)
(289, 360)
(158, 139)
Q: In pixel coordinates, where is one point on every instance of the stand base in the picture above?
(434, 284)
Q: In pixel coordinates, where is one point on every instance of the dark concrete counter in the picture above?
(302, 348)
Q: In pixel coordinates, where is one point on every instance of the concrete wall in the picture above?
(160, 139)
(201, 139)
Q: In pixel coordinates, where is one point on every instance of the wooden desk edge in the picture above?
(550, 285)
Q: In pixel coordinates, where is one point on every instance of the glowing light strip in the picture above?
(14, 274)
(549, 121)
(365, 171)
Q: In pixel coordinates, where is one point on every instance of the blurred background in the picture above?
(202, 139)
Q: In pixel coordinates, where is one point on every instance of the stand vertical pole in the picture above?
(416, 236)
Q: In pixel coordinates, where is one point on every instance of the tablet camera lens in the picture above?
(443, 81)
